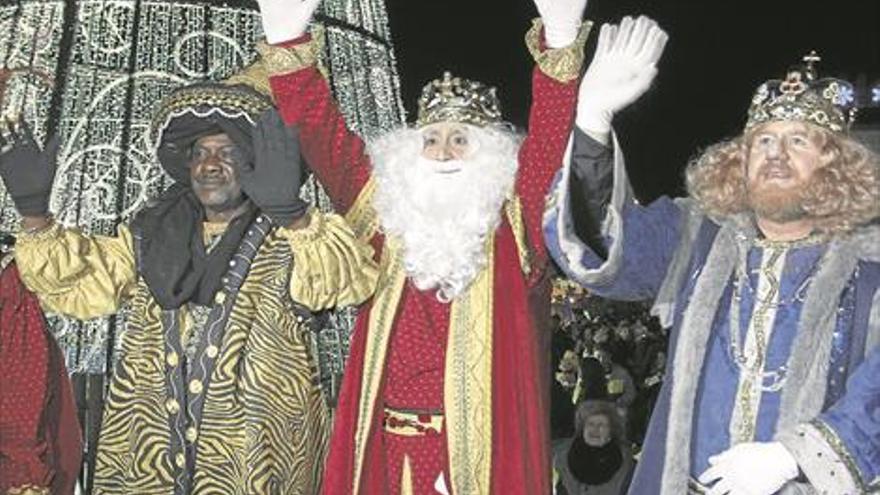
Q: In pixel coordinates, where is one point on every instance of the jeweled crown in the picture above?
(455, 99)
(826, 102)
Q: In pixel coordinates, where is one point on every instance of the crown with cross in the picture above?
(826, 102)
(455, 99)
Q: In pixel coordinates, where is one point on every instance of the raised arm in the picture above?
(599, 235)
(78, 275)
(593, 228)
(332, 268)
(75, 274)
(557, 45)
(334, 153)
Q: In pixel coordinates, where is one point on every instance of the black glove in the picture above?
(27, 171)
(274, 180)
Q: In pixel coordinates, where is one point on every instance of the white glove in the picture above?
(750, 469)
(284, 20)
(622, 70)
(562, 20)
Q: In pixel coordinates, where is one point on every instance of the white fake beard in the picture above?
(443, 219)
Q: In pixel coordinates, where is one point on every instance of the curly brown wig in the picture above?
(840, 196)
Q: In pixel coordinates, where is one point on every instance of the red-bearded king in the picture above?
(444, 390)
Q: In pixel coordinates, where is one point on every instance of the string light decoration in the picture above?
(93, 70)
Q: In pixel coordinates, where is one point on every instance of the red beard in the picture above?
(776, 203)
(773, 202)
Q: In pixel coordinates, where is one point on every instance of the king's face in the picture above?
(215, 163)
(447, 141)
(784, 155)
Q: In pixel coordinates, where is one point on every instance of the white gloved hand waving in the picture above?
(284, 20)
(756, 468)
(622, 70)
(562, 20)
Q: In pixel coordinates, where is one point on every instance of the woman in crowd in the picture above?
(598, 458)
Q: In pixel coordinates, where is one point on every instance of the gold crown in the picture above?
(826, 102)
(454, 99)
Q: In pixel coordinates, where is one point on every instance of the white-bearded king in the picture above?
(443, 210)
(444, 389)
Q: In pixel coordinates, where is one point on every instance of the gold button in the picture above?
(172, 359)
(191, 434)
(195, 386)
(219, 297)
(212, 351)
(172, 406)
(180, 460)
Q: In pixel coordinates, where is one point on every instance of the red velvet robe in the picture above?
(520, 461)
(40, 442)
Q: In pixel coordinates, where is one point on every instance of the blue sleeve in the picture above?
(640, 242)
(855, 419)
(839, 450)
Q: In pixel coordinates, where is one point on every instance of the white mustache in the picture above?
(441, 167)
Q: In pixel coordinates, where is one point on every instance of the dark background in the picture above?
(718, 53)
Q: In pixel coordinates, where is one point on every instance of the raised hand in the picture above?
(284, 20)
(274, 180)
(562, 20)
(27, 170)
(622, 70)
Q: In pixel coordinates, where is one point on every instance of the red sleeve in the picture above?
(550, 123)
(24, 368)
(333, 152)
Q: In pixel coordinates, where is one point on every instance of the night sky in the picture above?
(718, 53)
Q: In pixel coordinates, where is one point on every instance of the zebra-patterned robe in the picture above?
(240, 411)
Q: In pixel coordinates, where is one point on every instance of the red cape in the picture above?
(40, 443)
(520, 418)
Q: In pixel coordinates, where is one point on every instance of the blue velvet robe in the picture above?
(820, 393)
